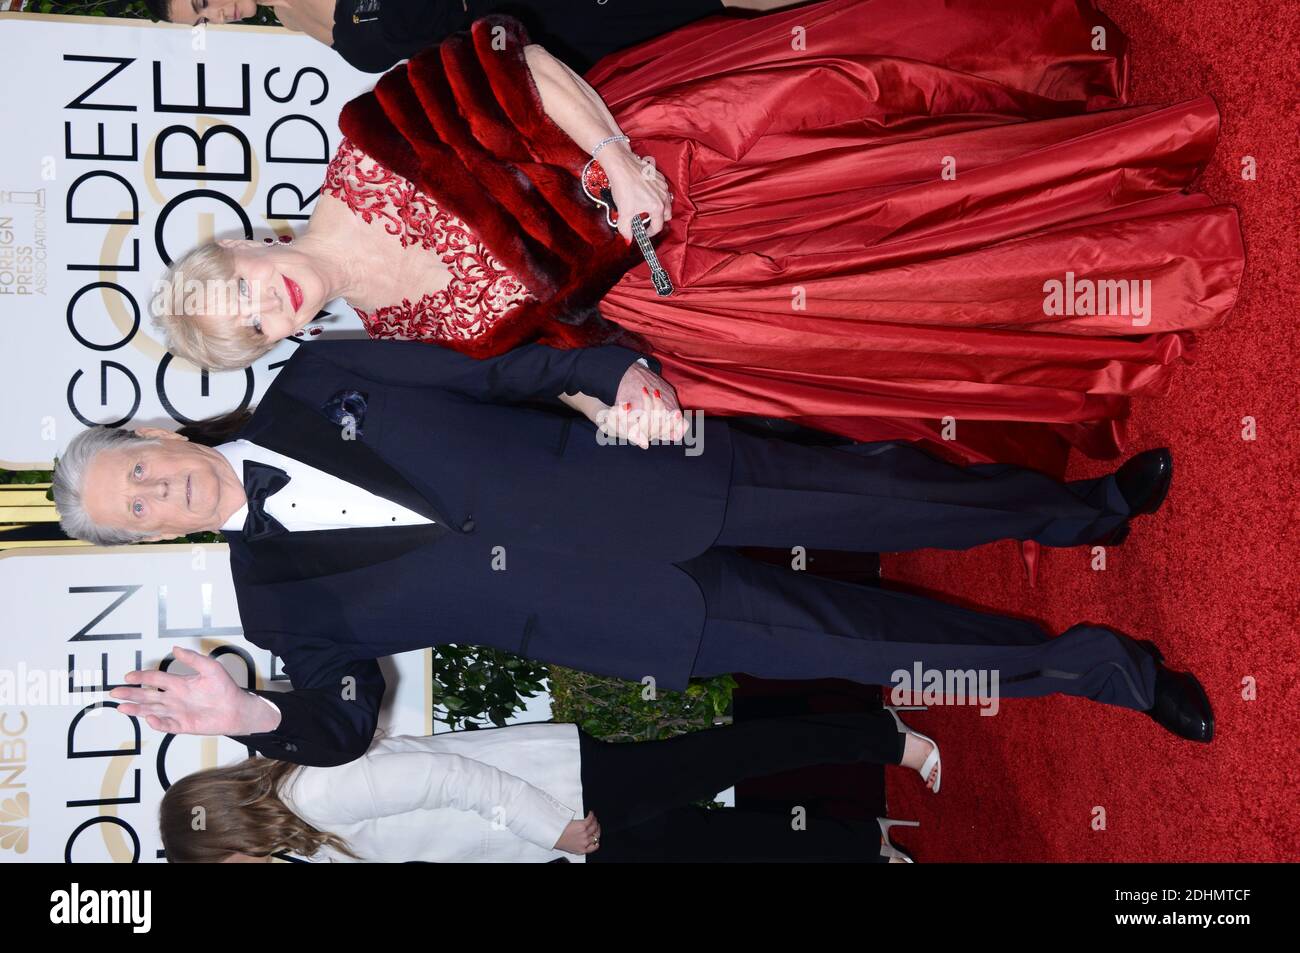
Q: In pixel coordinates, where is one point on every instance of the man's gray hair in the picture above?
(70, 479)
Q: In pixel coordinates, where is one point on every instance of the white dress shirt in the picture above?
(314, 499)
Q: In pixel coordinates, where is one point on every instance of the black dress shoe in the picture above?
(1144, 480)
(1182, 706)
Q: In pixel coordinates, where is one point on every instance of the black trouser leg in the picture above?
(626, 784)
(892, 497)
(733, 835)
(643, 794)
(773, 622)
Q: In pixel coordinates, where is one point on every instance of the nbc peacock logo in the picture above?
(14, 812)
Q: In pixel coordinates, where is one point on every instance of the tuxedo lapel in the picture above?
(291, 427)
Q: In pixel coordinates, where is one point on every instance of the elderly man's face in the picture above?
(163, 490)
(211, 11)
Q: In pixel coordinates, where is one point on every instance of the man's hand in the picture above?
(205, 703)
(580, 837)
(645, 409)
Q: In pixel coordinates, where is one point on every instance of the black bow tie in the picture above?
(260, 482)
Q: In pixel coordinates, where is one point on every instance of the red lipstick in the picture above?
(295, 293)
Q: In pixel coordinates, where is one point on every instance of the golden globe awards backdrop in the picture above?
(126, 143)
(79, 781)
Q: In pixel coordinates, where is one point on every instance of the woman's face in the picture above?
(275, 290)
(245, 859)
(211, 11)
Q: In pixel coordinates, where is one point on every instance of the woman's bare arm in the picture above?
(576, 108)
(570, 101)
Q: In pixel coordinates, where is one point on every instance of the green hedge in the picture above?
(477, 687)
(616, 710)
(27, 477)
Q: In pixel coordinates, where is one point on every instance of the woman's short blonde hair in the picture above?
(185, 295)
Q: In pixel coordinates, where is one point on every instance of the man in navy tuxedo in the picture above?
(389, 496)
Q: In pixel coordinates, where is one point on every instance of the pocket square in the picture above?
(347, 408)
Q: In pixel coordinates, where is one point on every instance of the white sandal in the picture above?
(932, 760)
(887, 848)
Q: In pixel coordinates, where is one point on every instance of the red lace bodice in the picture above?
(481, 289)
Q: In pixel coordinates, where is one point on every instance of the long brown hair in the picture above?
(207, 816)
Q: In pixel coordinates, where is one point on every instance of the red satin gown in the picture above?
(828, 270)
(869, 200)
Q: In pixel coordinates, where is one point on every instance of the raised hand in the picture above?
(205, 703)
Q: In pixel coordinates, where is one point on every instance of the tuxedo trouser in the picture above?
(644, 794)
(892, 497)
(774, 622)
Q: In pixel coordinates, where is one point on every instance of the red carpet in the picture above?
(1211, 577)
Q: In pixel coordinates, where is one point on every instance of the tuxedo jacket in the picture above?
(544, 543)
(498, 795)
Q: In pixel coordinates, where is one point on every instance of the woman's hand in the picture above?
(580, 837)
(646, 409)
(576, 108)
(638, 187)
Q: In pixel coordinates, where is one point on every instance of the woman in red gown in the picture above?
(820, 172)
(897, 219)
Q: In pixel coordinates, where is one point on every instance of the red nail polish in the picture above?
(627, 406)
(656, 391)
(645, 390)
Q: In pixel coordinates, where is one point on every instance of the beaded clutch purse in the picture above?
(596, 184)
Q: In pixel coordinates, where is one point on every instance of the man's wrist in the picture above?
(259, 714)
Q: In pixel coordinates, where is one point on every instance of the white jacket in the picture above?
(494, 795)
